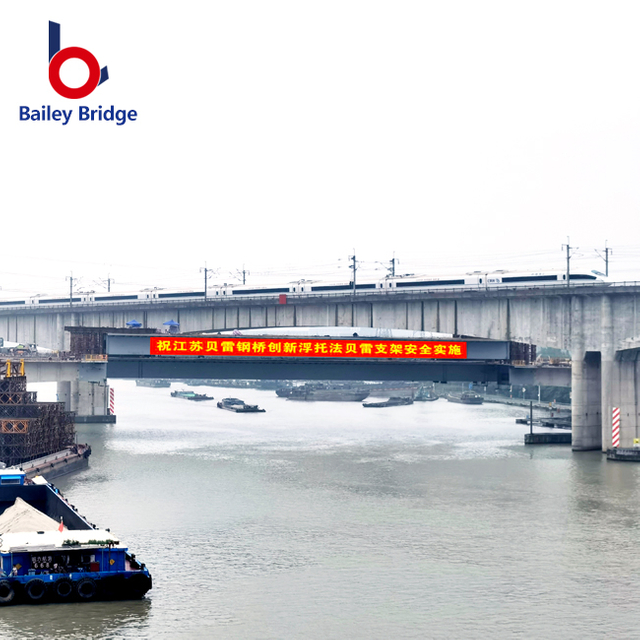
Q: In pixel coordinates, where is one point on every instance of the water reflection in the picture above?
(329, 520)
(76, 620)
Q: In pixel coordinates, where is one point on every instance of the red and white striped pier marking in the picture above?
(112, 404)
(615, 427)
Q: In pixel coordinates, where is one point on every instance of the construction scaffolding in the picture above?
(30, 429)
(90, 340)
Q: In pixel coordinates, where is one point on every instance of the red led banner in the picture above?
(307, 348)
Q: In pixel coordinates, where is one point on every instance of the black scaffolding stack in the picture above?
(30, 429)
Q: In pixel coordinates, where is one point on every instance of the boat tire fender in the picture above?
(35, 589)
(7, 592)
(138, 585)
(86, 588)
(63, 588)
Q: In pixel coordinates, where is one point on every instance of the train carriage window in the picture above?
(430, 283)
(115, 298)
(528, 278)
(182, 294)
(581, 276)
(248, 292)
(334, 287)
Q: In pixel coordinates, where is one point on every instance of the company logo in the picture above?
(85, 113)
(57, 57)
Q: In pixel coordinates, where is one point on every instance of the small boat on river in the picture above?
(422, 395)
(50, 553)
(191, 395)
(311, 392)
(155, 383)
(466, 398)
(239, 406)
(395, 401)
(392, 389)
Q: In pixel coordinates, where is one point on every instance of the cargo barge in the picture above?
(422, 395)
(239, 406)
(191, 395)
(61, 463)
(50, 553)
(394, 401)
(154, 383)
(323, 392)
(466, 398)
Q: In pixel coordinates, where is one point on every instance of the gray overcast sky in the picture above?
(283, 135)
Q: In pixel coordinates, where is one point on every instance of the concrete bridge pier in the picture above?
(64, 393)
(608, 369)
(625, 391)
(90, 400)
(586, 391)
(602, 380)
(586, 414)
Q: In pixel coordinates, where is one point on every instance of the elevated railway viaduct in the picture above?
(599, 324)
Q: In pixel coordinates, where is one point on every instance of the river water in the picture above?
(327, 520)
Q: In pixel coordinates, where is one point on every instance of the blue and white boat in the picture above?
(50, 553)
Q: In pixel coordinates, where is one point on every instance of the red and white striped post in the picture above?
(112, 404)
(615, 427)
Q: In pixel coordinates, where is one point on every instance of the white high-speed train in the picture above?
(476, 280)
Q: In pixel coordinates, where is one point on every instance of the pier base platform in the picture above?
(625, 455)
(109, 419)
(547, 438)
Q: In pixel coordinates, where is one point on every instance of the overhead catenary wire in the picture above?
(135, 277)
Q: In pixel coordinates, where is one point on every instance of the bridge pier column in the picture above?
(60, 333)
(586, 423)
(90, 400)
(64, 393)
(625, 390)
(609, 370)
(586, 387)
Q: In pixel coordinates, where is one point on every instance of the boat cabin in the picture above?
(44, 553)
